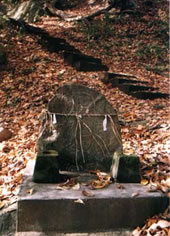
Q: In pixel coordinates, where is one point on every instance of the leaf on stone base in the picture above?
(98, 184)
(144, 181)
(87, 194)
(79, 201)
(69, 184)
(76, 187)
(30, 191)
(120, 186)
(135, 194)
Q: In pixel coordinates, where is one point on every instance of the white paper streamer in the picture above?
(54, 119)
(105, 123)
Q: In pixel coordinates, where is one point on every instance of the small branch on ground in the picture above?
(68, 17)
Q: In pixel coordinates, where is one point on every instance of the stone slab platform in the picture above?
(114, 233)
(50, 210)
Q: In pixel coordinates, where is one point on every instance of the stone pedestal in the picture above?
(51, 211)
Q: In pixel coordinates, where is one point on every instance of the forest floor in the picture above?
(135, 44)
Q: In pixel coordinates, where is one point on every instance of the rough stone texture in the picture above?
(111, 208)
(129, 169)
(115, 233)
(8, 227)
(46, 169)
(8, 221)
(74, 127)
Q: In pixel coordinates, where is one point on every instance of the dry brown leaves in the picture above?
(102, 181)
(31, 78)
(156, 226)
(69, 184)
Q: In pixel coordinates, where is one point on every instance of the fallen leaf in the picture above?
(87, 194)
(61, 188)
(135, 194)
(120, 186)
(144, 181)
(79, 201)
(166, 182)
(6, 149)
(98, 184)
(61, 72)
(139, 127)
(103, 176)
(76, 187)
(151, 221)
(136, 232)
(30, 191)
(69, 184)
(16, 191)
(163, 224)
(152, 188)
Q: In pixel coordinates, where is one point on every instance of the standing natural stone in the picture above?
(82, 126)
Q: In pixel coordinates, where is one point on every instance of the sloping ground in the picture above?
(130, 44)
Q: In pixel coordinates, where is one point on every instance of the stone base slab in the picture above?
(48, 209)
(115, 233)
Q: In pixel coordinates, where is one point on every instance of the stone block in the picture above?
(46, 169)
(48, 209)
(129, 169)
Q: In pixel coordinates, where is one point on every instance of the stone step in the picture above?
(73, 57)
(149, 95)
(133, 87)
(142, 92)
(89, 67)
(118, 79)
(84, 62)
(48, 209)
(130, 88)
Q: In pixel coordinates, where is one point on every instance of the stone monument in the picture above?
(80, 132)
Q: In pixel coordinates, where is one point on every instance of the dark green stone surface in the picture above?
(46, 169)
(129, 169)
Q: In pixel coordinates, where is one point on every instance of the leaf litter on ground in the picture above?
(25, 95)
